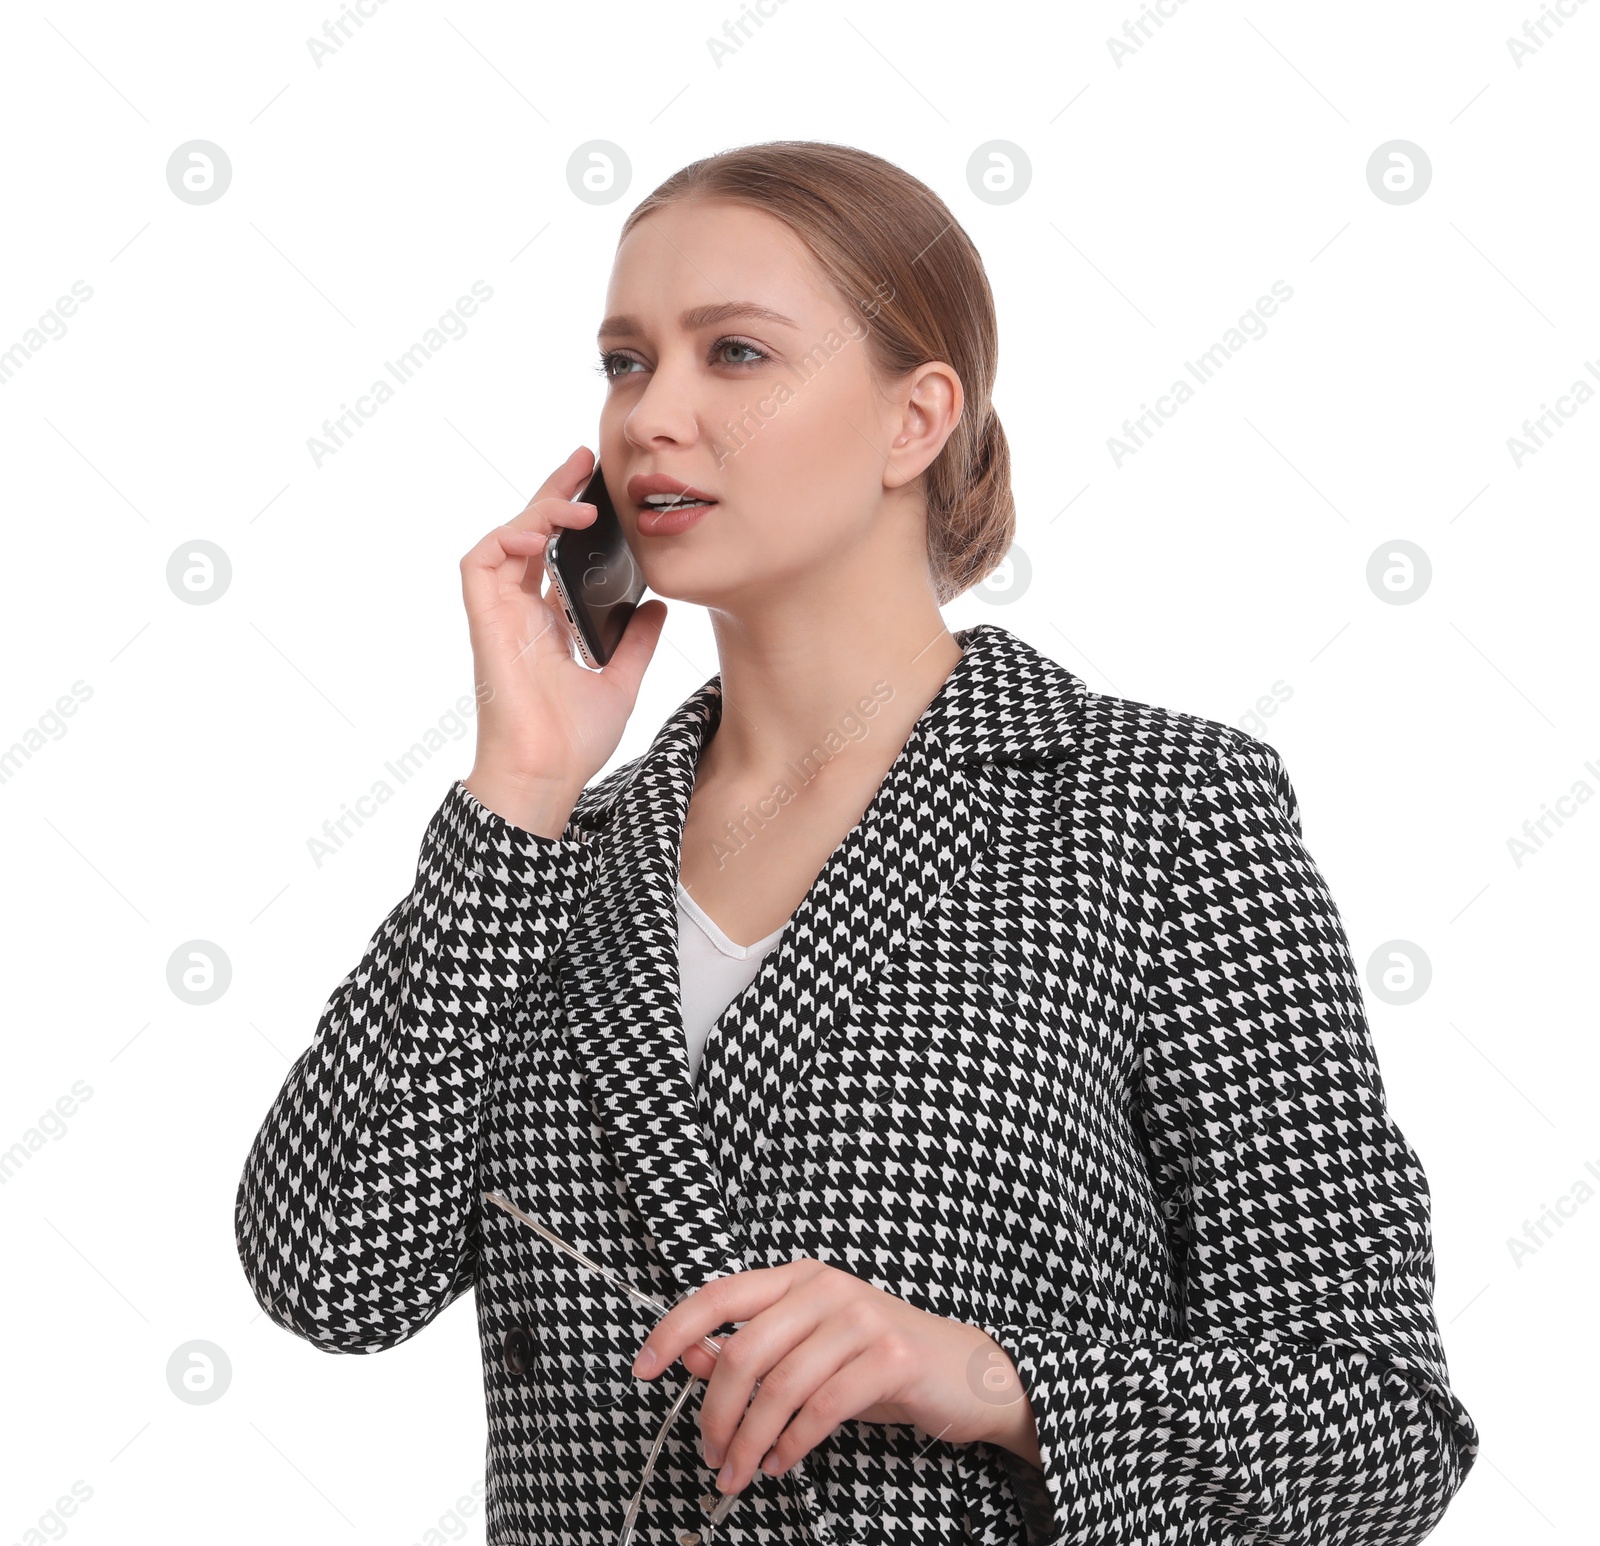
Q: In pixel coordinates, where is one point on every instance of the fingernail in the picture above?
(645, 1363)
(713, 1456)
(725, 1476)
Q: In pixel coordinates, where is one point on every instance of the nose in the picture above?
(665, 411)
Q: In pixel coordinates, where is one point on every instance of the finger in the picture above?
(555, 501)
(776, 1339)
(789, 1389)
(568, 478)
(485, 569)
(632, 654)
(699, 1362)
(736, 1296)
(854, 1386)
(538, 578)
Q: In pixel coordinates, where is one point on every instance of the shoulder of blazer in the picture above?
(1149, 756)
(1017, 705)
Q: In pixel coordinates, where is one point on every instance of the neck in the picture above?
(835, 704)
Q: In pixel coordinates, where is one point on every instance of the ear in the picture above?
(931, 404)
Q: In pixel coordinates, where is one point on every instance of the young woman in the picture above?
(975, 1059)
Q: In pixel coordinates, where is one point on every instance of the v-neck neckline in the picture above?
(729, 947)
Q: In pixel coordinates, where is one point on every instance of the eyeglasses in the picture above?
(724, 1506)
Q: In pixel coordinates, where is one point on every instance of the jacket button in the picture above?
(709, 1500)
(518, 1350)
(688, 1538)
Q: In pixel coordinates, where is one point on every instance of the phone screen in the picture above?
(598, 577)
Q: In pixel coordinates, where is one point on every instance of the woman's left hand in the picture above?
(828, 1347)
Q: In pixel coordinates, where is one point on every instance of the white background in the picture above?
(1225, 560)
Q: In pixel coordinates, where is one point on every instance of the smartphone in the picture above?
(596, 576)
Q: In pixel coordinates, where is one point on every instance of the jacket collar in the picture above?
(687, 1154)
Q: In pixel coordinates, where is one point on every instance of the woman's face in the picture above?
(777, 417)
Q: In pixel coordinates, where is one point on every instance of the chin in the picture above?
(695, 581)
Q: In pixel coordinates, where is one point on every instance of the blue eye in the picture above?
(613, 357)
(739, 343)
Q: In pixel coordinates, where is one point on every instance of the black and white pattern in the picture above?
(1065, 1041)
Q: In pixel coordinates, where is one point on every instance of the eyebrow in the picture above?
(697, 317)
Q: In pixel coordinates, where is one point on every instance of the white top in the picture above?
(712, 971)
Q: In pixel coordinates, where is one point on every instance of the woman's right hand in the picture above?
(546, 722)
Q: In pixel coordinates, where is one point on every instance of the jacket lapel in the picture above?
(618, 979)
(925, 826)
(920, 834)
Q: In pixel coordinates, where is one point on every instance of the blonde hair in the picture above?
(883, 237)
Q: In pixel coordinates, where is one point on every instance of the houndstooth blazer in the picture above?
(1065, 1041)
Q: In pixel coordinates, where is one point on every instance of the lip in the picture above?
(642, 484)
(665, 521)
(670, 521)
